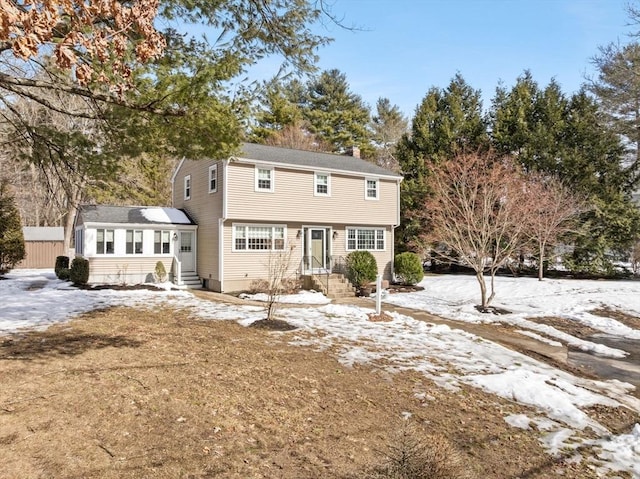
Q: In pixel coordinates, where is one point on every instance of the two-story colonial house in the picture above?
(267, 199)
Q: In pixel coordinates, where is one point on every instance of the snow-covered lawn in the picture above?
(450, 357)
(455, 297)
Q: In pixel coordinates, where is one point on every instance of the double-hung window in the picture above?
(365, 239)
(187, 187)
(264, 179)
(213, 178)
(79, 241)
(134, 242)
(371, 189)
(105, 241)
(258, 238)
(322, 184)
(161, 242)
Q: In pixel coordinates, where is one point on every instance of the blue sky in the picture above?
(404, 47)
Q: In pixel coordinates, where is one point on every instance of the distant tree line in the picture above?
(86, 119)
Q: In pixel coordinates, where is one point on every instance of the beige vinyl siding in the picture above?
(205, 208)
(41, 254)
(126, 270)
(384, 259)
(241, 268)
(293, 198)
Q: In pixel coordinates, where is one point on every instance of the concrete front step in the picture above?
(190, 280)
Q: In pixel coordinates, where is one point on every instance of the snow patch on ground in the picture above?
(450, 357)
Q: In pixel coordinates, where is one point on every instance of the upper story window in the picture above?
(264, 179)
(213, 178)
(258, 237)
(365, 239)
(322, 184)
(371, 189)
(187, 187)
(134, 242)
(161, 242)
(105, 242)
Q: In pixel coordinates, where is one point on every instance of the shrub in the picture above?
(160, 274)
(408, 268)
(64, 274)
(79, 272)
(62, 262)
(361, 268)
(415, 455)
(12, 249)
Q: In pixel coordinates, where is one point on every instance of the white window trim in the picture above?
(315, 183)
(273, 179)
(134, 242)
(366, 196)
(162, 242)
(187, 187)
(374, 228)
(213, 169)
(104, 249)
(247, 250)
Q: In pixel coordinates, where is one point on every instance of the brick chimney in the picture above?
(354, 151)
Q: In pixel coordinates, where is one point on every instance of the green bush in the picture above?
(361, 268)
(408, 268)
(62, 262)
(64, 274)
(79, 273)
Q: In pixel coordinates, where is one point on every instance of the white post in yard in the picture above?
(378, 293)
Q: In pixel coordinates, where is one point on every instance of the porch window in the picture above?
(134, 242)
(264, 179)
(365, 239)
(161, 242)
(258, 238)
(322, 184)
(105, 242)
(187, 187)
(79, 241)
(213, 178)
(371, 189)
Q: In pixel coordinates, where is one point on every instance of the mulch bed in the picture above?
(273, 325)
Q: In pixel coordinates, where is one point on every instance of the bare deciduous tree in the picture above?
(552, 207)
(278, 268)
(476, 212)
(298, 137)
(69, 152)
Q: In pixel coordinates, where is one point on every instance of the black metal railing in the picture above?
(314, 267)
(321, 272)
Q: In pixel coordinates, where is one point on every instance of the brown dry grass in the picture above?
(123, 393)
(625, 318)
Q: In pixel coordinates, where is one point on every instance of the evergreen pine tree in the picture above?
(387, 126)
(11, 239)
(569, 139)
(447, 122)
(337, 116)
(617, 88)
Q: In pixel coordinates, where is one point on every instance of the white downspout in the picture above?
(221, 221)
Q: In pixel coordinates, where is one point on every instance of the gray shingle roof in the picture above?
(312, 159)
(133, 215)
